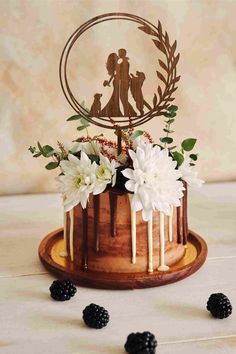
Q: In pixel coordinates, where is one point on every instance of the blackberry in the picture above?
(219, 306)
(95, 316)
(62, 290)
(141, 343)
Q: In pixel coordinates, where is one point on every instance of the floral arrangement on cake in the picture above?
(155, 173)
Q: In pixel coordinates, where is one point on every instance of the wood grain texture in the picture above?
(105, 280)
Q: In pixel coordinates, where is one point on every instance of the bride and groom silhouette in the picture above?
(118, 70)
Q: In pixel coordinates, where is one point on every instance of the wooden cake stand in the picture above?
(52, 245)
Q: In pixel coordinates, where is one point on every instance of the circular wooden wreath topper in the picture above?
(119, 113)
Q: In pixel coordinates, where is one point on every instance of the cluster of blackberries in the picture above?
(219, 306)
(95, 316)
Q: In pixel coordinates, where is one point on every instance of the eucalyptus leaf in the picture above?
(75, 117)
(168, 131)
(172, 108)
(82, 127)
(170, 121)
(47, 151)
(135, 135)
(188, 144)
(178, 157)
(84, 121)
(193, 157)
(40, 147)
(32, 149)
(38, 154)
(166, 140)
(170, 114)
(52, 165)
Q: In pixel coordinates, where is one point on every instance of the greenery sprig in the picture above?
(84, 123)
(48, 151)
(170, 114)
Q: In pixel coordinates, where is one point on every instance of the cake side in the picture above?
(105, 241)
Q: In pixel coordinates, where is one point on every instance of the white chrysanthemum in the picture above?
(89, 147)
(105, 174)
(189, 175)
(153, 180)
(78, 180)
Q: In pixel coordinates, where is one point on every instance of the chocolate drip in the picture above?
(179, 231)
(185, 216)
(96, 204)
(84, 265)
(113, 213)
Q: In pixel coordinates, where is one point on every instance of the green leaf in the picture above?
(135, 135)
(47, 150)
(170, 114)
(52, 165)
(93, 158)
(75, 117)
(170, 121)
(166, 140)
(32, 149)
(193, 157)
(192, 164)
(168, 131)
(84, 122)
(172, 108)
(178, 157)
(188, 144)
(40, 147)
(82, 127)
(37, 155)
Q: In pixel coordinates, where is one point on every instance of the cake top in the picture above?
(153, 172)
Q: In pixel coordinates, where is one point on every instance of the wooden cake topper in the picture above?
(118, 113)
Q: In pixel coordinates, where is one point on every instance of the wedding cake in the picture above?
(125, 201)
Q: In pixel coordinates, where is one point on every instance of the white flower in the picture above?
(105, 174)
(189, 175)
(78, 180)
(153, 179)
(89, 147)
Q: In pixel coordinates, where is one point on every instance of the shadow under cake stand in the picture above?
(52, 245)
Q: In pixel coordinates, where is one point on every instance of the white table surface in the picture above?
(31, 322)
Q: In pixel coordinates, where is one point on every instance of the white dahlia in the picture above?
(78, 180)
(189, 174)
(153, 180)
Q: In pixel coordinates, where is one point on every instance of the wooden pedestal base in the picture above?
(52, 245)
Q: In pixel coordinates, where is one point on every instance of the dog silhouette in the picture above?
(96, 106)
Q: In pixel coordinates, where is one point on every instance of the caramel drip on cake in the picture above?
(179, 231)
(185, 216)
(96, 205)
(113, 212)
(85, 240)
(72, 234)
(64, 252)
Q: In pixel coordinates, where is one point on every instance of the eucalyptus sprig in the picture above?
(48, 151)
(186, 146)
(170, 114)
(84, 123)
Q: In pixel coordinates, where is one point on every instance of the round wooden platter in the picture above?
(62, 267)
